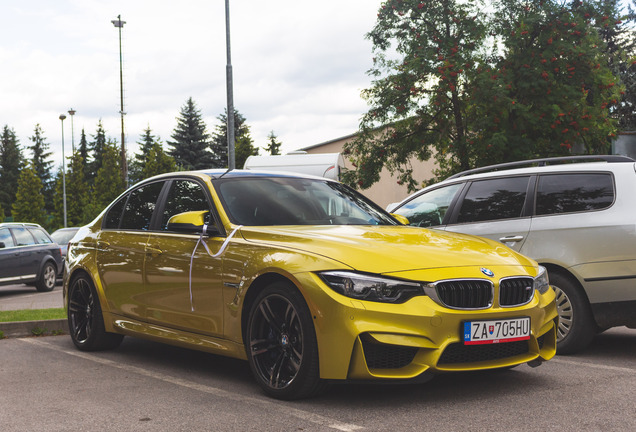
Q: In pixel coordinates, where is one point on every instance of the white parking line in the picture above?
(593, 365)
(265, 403)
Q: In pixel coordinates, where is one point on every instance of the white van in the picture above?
(328, 165)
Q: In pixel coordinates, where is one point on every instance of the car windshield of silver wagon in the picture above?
(297, 201)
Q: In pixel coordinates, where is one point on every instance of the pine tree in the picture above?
(108, 183)
(29, 201)
(77, 193)
(151, 159)
(190, 145)
(243, 147)
(157, 162)
(97, 147)
(42, 165)
(273, 145)
(82, 149)
(11, 160)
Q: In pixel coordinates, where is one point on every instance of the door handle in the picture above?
(511, 239)
(102, 244)
(153, 251)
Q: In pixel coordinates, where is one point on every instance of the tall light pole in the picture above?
(230, 93)
(124, 165)
(62, 117)
(72, 112)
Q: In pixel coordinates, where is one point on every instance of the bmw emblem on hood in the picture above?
(487, 272)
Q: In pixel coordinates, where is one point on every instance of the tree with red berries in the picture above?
(426, 55)
(531, 79)
(551, 90)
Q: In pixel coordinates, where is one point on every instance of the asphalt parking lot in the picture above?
(47, 385)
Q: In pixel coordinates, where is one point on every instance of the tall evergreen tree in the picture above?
(244, 144)
(190, 139)
(42, 164)
(77, 193)
(157, 162)
(97, 147)
(108, 183)
(273, 145)
(150, 153)
(29, 201)
(83, 148)
(11, 160)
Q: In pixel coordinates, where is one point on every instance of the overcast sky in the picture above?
(299, 67)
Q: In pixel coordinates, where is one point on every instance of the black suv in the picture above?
(28, 255)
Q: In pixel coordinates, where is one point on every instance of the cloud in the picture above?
(298, 67)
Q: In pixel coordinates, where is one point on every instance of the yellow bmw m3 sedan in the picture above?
(305, 279)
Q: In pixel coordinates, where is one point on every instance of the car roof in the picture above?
(17, 224)
(217, 174)
(564, 167)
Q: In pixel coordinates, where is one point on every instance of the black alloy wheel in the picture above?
(85, 320)
(281, 344)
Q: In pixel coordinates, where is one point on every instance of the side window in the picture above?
(494, 199)
(429, 208)
(40, 235)
(565, 193)
(6, 240)
(23, 237)
(184, 196)
(113, 217)
(140, 206)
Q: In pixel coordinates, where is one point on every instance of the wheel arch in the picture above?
(255, 288)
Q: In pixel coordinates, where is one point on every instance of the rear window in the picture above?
(567, 193)
(40, 235)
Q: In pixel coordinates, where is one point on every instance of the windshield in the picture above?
(297, 201)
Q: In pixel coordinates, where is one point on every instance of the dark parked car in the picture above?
(28, 255)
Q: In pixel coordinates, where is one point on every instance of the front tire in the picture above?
(46, 281)
(85, 319)
(576, 323)
(281, 344)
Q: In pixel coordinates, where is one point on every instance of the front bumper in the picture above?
(365, 340)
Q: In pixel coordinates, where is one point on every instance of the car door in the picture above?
(29, 254)
(496, 208)
(9, 258)
(183, 282)
(121, 250)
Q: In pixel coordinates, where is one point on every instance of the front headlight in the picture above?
(373, 288)
(542, 282)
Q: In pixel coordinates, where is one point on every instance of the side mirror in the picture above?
(190, 222)
(2, 245)
(402, 219)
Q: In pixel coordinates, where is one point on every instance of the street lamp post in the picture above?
(124, 165)
(62, 117)
(72, 112)
(230, 93)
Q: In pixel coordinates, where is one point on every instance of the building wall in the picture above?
(387, 190)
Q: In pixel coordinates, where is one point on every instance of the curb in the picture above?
(33, 328)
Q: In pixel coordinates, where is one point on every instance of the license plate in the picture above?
(496, 331)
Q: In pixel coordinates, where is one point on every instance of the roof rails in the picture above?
(544, 162)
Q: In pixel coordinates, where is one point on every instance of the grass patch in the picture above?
(32, 315)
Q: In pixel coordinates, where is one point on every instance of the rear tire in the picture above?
(85, 319)
(576, 323)
(281, 344)
(46, 280)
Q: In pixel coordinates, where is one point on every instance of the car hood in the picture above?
(388, 249)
